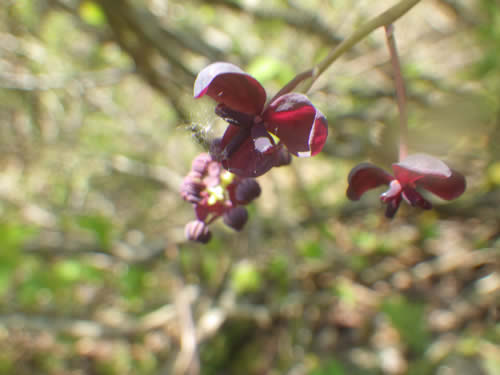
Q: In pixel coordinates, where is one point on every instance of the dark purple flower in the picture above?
(253, 141)
(415, 171)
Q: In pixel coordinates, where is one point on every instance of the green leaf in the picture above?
(92, 13)
(12, 236)
(245, 277)
(409, 319)
(69, 270)
(266, 68)
(311, 249)
(100, 226)
(331, 367)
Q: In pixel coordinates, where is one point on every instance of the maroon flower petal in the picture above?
(414, 198)
(231, 86)
(445, 188)
(201, 211)
(297, 123)
(392, 207)
(365, 176)
(416, 166)
(244, 160)
(431, 174)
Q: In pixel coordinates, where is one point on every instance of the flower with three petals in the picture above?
(415, 171)
(257, 133)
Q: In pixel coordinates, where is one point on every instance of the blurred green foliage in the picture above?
(95, 137)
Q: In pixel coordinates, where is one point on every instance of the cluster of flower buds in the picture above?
(215, 192)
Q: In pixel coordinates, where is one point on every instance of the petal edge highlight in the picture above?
(229, 85)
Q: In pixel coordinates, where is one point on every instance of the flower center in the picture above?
(394, 190)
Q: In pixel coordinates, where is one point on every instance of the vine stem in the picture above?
(400, 91)
(308, 77)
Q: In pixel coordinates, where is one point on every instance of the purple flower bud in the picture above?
(191, 189)
(194, 176)
(236, 218)
(200, 163)
(247, 190)
(211, 181)
(214, 169)
(197, 231)
(283, 157)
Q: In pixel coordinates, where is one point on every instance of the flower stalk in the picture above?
(412, 171)
(306, 79)
(400, 91)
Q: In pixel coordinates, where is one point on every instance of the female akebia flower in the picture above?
(415, 171)
(253, 142)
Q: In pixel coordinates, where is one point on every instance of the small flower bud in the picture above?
(247, 190)
(194, 175)
(211, 181)
(214, 169)
(200, 163)
(191, 189)
(283, 157)
(197, 231)
(236, 218)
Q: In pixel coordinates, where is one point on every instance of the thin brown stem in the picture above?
(400, 91)
(290, 86)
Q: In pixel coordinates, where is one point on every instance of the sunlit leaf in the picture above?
(92, 13)
(245, 277)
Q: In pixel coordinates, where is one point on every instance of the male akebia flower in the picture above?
(215, 192)
(197, 231)
(257, 133)
(415, 171)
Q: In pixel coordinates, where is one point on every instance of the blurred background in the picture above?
(98, 127)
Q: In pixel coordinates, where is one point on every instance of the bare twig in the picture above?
(84, 80)
(301, 19)
(187, 361)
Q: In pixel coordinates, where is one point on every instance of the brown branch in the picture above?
(301, 19)
(134, 41)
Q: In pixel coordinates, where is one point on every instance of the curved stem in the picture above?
(400, 92)
(385, 18)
